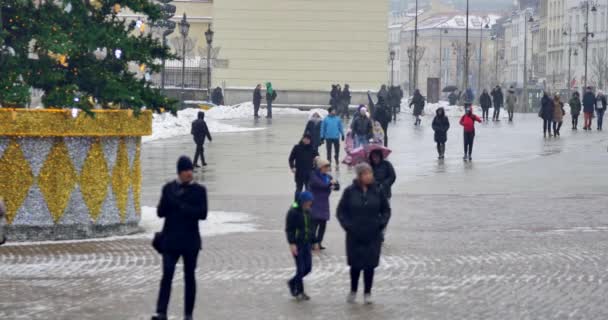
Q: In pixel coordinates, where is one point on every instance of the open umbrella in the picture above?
(450, 89)
(373, 147)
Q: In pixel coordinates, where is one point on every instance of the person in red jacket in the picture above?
(468, 123)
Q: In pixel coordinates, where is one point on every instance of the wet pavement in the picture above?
(519, 233)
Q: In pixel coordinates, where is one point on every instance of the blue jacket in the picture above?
(331, 128)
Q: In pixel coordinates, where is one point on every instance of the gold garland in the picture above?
(60, 123)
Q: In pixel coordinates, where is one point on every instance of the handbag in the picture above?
(157, 242)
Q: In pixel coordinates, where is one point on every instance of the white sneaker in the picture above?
(352, 296)
(367, 299)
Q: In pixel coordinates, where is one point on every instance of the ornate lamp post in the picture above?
(571, 52)
(466, 52)
(416, 47)
(167, 12)
(442, 31)
(526, 20)
(184, 28)
(588, 6)
(209, 37)
(485, 21)
(392, 56)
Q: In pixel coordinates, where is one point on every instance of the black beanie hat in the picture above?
(184, 164)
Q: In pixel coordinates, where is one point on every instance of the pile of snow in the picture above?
(430, 109)
(217, 223)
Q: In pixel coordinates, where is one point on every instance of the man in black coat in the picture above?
(382, 114)
(384, 172)
(301, 160)
(257, 100)
(199, 132)
(498, 98)
(217, 97)
(183, 204)
(394, 100)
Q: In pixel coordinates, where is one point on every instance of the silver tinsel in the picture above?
(76, 211)
(110, 149)
(78, 148)
(33, 211)
(35, 151)
(132, 216)
(109, 211)
(3, 144)
(131, 149)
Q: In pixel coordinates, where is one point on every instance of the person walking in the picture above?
(441, 125)
(383, 95)
(199, 132)
(498, 99)
(600, 109)
(485, 101)
(313, 128)
(321, 184)
(546, 113)
(300, 236)
(511, 101)
(271, 95)
(384, 172)
(418, 103)
(394, 99)
(468, 123)
(257, 100)
(217, 97)
(383, 116)
(575, 109)
(345, 99)
(183, 204)
(589, 102)
(301, 161)
(331, 132)
(558, 115)
(363, 212)
(362, 128)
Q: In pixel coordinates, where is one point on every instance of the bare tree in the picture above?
(599, 69)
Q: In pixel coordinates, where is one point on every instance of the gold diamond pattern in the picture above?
(136, 178)
(57, 179)
(94, 179)
(16, 182)
(120, 179)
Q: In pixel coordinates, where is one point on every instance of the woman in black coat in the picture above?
(363, 212)
(546, 113)
(486, 103)
(441, 125)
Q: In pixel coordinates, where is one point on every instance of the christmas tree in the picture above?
(80, 53)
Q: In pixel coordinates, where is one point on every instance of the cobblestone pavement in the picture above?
(521, 233)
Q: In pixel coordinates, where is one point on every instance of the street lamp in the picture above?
(495, 39)
(442, 31)
(466, 52)
(525, 93)
(416, 47)
(209, 37)
(588, 6)
(569, 34)
(392, 55)
(486, 21)
(184, 28)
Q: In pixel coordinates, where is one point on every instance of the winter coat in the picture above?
(299, 226)
(331, 128)
(217, 97)
(589, 102)
(468, 122)
(497, 98)
(468, 96)
(345, 98)
(199, 130)
(558, 111)
(362, 126)
(383, 96)
(384, 175)
(301, 158)
(601, 103)
(382, 114)
(363, 215)
(546, 108)
(418, 102)
(182, 206)
(511, 101)
(313, 128)
(485, 101)
(257, 96)
(335, 94)
(441, 125)
(575, 106)
(320, 186)
(394, 97)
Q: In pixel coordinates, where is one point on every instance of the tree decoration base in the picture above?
(71, 178)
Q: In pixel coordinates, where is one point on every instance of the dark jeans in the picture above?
(510, 114)
(303, 267)
(496, 115)
(301, 185)
(269, 109)
(556, 127)
(441, 149)
(256, 109)
(169, 261)
(546, 126)
(469, 138)
(200, 151)
(319, 228)
(336, 145)
(385, 129)
(574, 121)
(600, 118)
(368, 279)
(485, 113)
